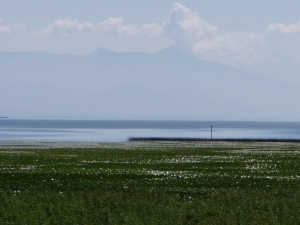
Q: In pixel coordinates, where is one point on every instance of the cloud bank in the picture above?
(111, 25)
(189, 31)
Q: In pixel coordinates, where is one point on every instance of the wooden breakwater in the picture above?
(214, 139)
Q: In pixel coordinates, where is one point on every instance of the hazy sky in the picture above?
(232, 32)
(258, 36)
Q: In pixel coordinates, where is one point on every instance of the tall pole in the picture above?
(211, 133)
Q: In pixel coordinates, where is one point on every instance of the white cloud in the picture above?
(279, 27)
(152, 30)
(283, 42)
(4, 29)
(67, 26)
(189, 31)
(232, 48)
(111, 25)
(115, 25)
(204, 39)
(186, 27)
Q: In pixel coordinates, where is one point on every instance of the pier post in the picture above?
(211, 133)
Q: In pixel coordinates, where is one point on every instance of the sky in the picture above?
(231, 32)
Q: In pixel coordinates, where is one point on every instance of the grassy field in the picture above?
(151, 183)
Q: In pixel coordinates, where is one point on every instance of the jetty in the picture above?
(212, 139)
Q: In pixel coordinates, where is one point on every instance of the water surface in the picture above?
(121, 130)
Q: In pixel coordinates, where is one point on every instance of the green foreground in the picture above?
(152, 183)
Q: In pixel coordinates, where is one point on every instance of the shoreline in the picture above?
(213, 139)
(51, 144)
(146, 142)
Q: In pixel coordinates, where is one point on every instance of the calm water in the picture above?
(121, 130)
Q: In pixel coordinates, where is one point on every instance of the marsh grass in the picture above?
(152, 183)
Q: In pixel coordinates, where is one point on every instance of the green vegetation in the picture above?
(152, 183)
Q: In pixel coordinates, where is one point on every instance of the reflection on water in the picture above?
(121, 130)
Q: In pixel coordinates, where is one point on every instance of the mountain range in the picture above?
(169, 84)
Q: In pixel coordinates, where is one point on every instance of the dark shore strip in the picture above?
(209, 139)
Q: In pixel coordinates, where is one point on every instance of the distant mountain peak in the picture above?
(101, 51)
(173, 49)
(170, 82)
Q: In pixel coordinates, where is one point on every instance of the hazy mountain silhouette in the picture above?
(167, 85)
(283, 71)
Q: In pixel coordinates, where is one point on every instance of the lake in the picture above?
(121, 130)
